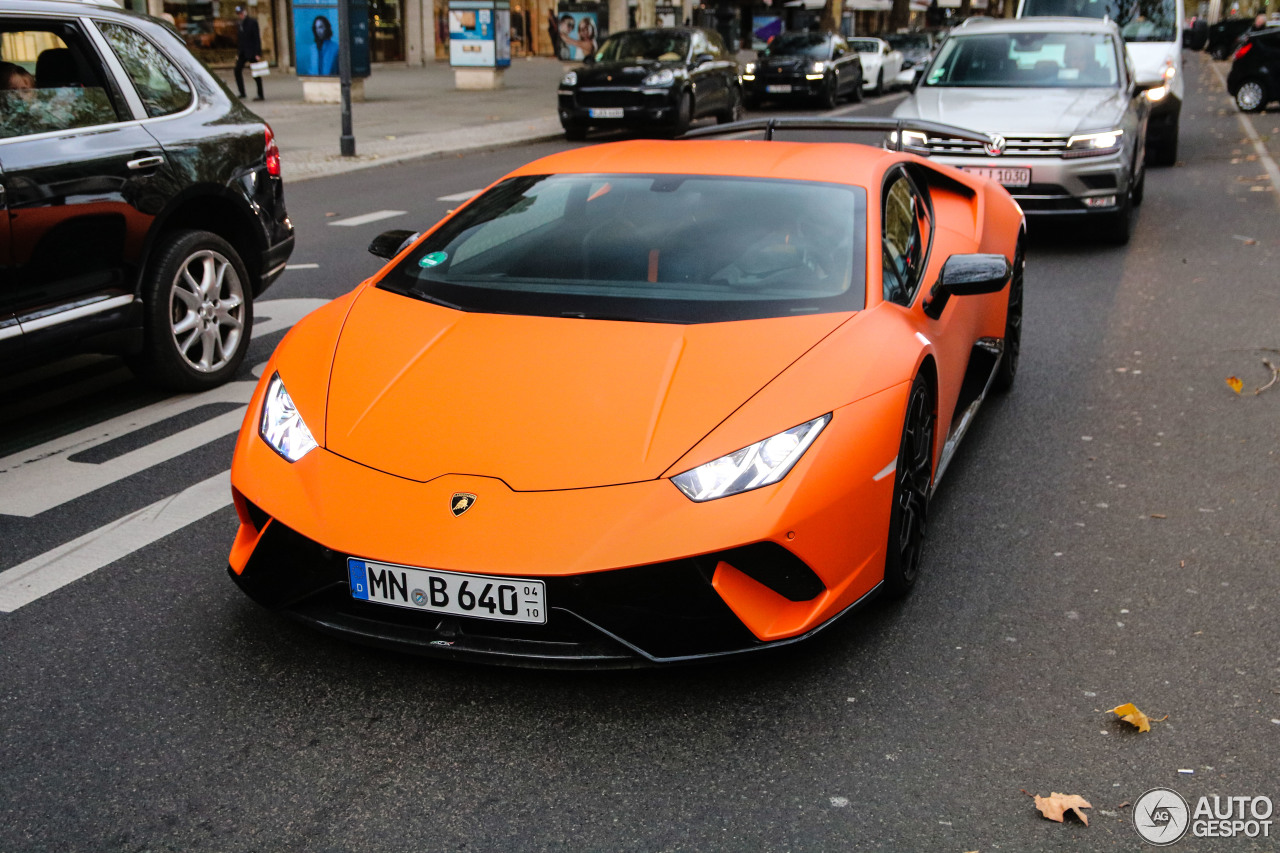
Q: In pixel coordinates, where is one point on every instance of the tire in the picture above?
(734, 113)
(1251, 97)
(855, 94)
(575, 132)
(1118, 226)
(198, 309)
(912, 485)
(684, 115)
(1007, 371)
(827, 100)
(1165, 151)
(1140, 187)
(879, 89)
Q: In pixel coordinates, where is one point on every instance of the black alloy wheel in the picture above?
(734, 113)
(198, 312)
(855, 94)
(1008, 369)
(684, 114)
(829, 94)
(912, 485)
(879, 89)
(1251, 97)
(1117, 227)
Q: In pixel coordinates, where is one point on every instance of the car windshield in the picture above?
(646, 248)
(1026, 60)
(644, 44)
(1139, 20)
(812, 45)
(908, 41)
(864, 45)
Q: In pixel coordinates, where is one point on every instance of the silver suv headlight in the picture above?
(1094, 144)
(665, 77)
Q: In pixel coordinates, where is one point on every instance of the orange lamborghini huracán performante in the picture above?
(639, 402)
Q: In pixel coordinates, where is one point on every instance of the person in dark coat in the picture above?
(250, 39)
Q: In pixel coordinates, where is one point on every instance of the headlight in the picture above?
(665, 77)
(761, 464)
(912, 140)
(1157, 94)
(1094, 144)
(819, 67)
(281, 425)
(750, 68)
(570, 79)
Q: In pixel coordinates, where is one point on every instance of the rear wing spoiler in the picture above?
(889, 125)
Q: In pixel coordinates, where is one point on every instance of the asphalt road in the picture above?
(1106, 535)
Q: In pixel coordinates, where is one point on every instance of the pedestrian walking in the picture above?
(250, 49)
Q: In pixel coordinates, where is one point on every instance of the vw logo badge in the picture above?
(995, 145)
(461, 502)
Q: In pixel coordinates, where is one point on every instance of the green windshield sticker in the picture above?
(434, 259)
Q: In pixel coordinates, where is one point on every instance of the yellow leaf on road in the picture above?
(1235, 383)
(1130, 714)
(1056, 805)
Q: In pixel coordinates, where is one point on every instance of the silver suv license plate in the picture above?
(479, 596)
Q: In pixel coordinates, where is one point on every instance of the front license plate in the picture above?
(480, 596)
(1004, 177)
(778, 88)
(605, 112)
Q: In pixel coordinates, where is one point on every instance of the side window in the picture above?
(718, 50)
(49, 81)
(905, 239)
(159, 83)
(700, 45)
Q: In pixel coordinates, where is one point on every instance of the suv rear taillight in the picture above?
(1244, 48)
(273, 154)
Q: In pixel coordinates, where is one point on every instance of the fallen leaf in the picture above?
(1130, 714)
(1055, 806)
(1235, 383)
(1158, 515)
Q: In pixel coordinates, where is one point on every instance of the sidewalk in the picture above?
(407, 112)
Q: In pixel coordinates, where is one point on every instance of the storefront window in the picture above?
(209, 28)
(386, 28)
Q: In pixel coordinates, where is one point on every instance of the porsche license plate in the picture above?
(1004, 177)
(605, 112)
(778, 88)
(479, 596)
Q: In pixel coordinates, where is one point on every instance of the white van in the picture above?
(1152, 31)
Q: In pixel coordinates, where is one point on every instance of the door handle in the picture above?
(145, 163)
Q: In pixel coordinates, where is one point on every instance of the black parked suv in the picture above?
(1254, 79)
(801, 64)
(659, 78)
(144, 205)
(1224, 35)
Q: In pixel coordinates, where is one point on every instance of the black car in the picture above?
(1224, 35)
(1254, 79)
(917, 49)
(657, 78)
(804, 65)
(144, 206)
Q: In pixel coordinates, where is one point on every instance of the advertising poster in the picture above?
(502, 36)
(316, 37)
(578, 31)
(763, 28)
(471, 29)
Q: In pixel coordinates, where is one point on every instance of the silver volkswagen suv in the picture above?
(1058, 97)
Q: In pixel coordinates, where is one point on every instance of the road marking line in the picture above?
(302, 266)
(366, 218)
(40, 478)
(1268, 163)
(460, 196)
(58, 567)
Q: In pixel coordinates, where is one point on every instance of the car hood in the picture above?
(542, 403)
(1014, 111)
(621, 73)
(783, 62)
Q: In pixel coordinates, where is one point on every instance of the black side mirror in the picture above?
(388, 244)
(967, 275)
